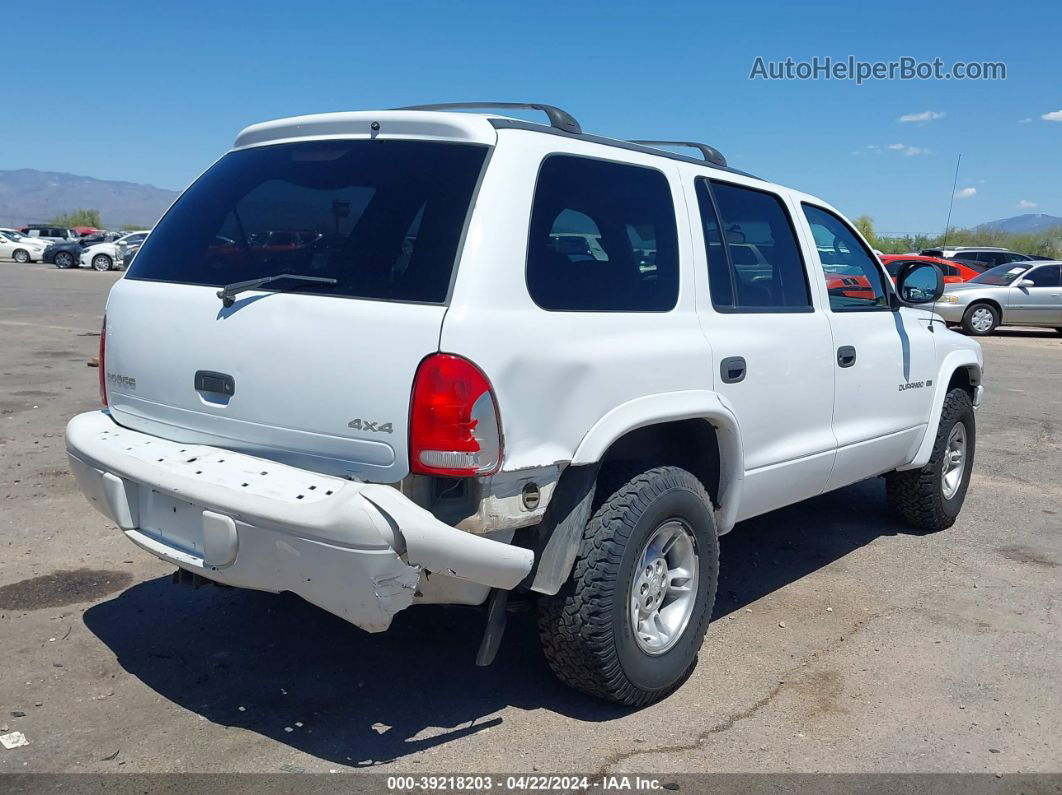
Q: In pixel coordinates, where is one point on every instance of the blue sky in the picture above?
(155, 92)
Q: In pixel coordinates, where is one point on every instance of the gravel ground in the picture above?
(899, 652)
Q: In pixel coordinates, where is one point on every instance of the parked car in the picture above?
(955, 272)
(446, 408)
(47, 232)
(1017, 294)
(984, 257)
(63, 254)
(105, 256)
(127, 245)
(20, 249)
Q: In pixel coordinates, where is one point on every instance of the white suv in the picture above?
(431, 396)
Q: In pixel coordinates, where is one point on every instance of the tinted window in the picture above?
(383, 218)
(754, 260)
(1046, 276)
(602, 238)
(853, 279)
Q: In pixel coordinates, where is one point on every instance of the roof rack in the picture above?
(710, 153)
(558, 118)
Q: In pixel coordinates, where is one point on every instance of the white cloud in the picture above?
(965, 193)
(1055, 115)
(895, 146)
(911, 151)
(1026, 120)
(926, 115)
(1025, 204)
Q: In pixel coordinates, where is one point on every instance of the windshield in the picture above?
(382, 218)
(1001, 274)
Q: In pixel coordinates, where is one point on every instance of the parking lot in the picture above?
(841, 642)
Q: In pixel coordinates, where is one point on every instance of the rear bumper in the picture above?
(355, 549)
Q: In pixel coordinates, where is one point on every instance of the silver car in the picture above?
(1015, 294)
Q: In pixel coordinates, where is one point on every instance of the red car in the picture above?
(954, 272)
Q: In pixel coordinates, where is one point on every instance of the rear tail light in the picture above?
(454, 427)
(103, 364)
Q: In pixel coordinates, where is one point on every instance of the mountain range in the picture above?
(29, 196)
(1027, 223)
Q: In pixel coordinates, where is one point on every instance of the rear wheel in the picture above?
(628, 625)
(21, 256)
(64, 259)
(102, 262)
(980, 320)
(930, 498)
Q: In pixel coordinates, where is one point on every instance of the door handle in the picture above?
(846, 355)
(732, 369)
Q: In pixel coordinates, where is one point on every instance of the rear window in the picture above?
(382, 218)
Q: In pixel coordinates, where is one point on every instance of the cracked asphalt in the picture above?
(899, 652)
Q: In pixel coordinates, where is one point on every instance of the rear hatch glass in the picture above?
(382, 218)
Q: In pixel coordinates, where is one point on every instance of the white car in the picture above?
(105, 256)
(21, 249)
(434, 402)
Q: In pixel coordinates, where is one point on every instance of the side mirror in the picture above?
(1026, 283)
(920, 283)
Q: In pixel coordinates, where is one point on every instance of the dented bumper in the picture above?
(355, 549)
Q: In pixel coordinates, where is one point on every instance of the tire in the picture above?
(980, 319)
(102, 262)
(588, 629)
(921, 497)
(64, 260)
(21, 256)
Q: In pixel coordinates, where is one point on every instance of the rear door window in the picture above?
(754, 260)
(383, 218)
(1045, 276)
(602, 238)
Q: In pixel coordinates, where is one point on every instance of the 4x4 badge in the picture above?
(375, 427)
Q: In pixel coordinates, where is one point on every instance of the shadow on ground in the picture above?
(282, 668)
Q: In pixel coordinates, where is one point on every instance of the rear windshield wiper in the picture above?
(228, 293)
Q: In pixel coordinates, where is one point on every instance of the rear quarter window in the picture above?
(602, 238)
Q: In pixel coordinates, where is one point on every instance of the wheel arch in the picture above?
(961, 368)
(992, 302)
(694, 418)
(694, 430)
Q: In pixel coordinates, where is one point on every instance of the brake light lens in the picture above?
(103, 364)
(454, 427)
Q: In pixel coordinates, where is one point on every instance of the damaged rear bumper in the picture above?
(355, 549)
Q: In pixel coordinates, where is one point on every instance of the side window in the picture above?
(1046, 276)
(853, 279)
(754, 261)
(602, 238)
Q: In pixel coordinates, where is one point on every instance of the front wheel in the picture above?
(980, 320)
(21, 256)
(101, 262)
(64, 259)
(930, 498)
(628, 625)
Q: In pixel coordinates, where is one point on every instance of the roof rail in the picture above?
(710, 153)
(558, 118)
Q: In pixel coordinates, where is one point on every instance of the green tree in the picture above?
(865, 225)
(79, 217)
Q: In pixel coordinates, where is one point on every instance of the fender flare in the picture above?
(670, 407)
(952, 362)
